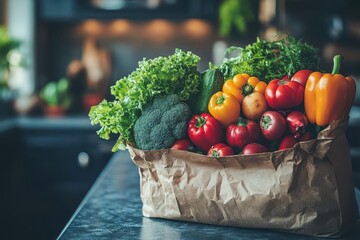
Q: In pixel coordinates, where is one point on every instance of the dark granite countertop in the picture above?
(31, 122)
(112, 210)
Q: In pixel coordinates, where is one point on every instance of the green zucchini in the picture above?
(211, 82)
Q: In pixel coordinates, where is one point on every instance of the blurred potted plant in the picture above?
(235, 15)
(56, 98)
(8, 46)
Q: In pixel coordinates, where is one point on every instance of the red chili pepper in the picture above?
(220, 150)
(204, 131)
(284, 94)
(243, 132)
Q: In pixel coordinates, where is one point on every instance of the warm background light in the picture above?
(120, 27)
(160, 31)
(92, 28)
(197, 29)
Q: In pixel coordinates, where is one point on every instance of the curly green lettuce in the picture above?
(175, 74)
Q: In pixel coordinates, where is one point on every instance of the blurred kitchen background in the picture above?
(58, 58)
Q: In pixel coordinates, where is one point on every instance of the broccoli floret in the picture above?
(162, 121)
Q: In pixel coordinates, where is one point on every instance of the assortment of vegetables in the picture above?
(175, 74)
(272, 97)
(268, 60)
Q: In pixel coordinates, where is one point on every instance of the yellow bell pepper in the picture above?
(328, 97)
(242, 85)
(224, 107)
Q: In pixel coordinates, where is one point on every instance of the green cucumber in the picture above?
(211, 82)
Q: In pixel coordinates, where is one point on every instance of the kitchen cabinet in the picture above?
(77, 10)
(46, 168)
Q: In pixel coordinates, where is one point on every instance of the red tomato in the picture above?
(287, 142)
(296, 122)
(284, 94)
(253, 148)
(220, 150)
(301, 76)
(205, 131)
(272, 125)
(243, 132)
(182, 144)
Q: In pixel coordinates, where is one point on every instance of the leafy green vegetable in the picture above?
(175, 74)
(235, 13)
(268, 60)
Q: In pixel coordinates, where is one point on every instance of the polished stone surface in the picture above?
(112, 210)
(67, 122)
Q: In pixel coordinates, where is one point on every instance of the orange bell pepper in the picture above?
(224, 107)
(242, 85)
(328, 97)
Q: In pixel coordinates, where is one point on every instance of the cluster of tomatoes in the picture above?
(249, 116)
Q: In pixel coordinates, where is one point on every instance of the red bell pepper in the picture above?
(205, 131)
(283, 94)
(243, 132)
(220, 150)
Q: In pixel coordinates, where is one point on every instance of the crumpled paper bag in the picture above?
(307, 189)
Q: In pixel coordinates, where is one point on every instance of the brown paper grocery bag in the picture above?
(307, 189)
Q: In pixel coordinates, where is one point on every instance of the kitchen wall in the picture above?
(23, 29)
(126, 41)
(72, 35)
(3, 14)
